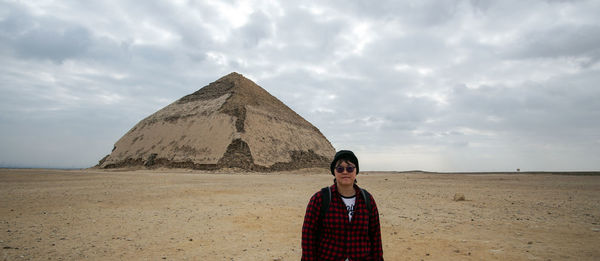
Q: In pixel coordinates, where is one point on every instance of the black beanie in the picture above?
(346, 155)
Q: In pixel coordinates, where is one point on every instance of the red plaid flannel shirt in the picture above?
(339, 238)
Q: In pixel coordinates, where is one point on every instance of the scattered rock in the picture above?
(459, 197)
(149, 160)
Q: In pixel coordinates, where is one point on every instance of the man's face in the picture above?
(342, 176)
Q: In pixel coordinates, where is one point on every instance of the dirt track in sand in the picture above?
(175, 214)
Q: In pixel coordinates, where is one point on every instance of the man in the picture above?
(342, 221)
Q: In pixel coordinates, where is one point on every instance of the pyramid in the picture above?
(230, 123)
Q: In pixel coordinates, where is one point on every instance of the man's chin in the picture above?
(346, 181)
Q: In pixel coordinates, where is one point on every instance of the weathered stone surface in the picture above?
(230, 123)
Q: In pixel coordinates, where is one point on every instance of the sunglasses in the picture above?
(340, 169)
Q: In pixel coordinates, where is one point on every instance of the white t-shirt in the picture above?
(349, 205)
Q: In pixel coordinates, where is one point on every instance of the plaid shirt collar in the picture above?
(334, 189)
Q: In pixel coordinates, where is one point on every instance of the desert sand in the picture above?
(193, 215)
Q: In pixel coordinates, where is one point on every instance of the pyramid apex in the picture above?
(232, 76)
(223, 85)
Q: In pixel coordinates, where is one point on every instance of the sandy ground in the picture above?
(96, 215)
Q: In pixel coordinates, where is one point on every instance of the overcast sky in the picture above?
(431, 85)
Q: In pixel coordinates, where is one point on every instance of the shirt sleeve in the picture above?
(310, 228)
(375, 232)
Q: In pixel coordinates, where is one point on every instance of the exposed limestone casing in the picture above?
(230, 123)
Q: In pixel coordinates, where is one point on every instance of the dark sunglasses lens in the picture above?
(341, 169)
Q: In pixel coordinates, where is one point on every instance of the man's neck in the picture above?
(346, 191)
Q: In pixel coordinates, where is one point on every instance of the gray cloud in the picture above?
(258, 28)
(43, 38)
(455, 86)
(563, 41)
(56, 45)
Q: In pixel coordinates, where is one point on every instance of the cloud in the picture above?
(457, 85)
(56, 45)
(557, 42)
(44, 38)
(257, 29)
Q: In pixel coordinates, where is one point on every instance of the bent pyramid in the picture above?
(230, 123)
